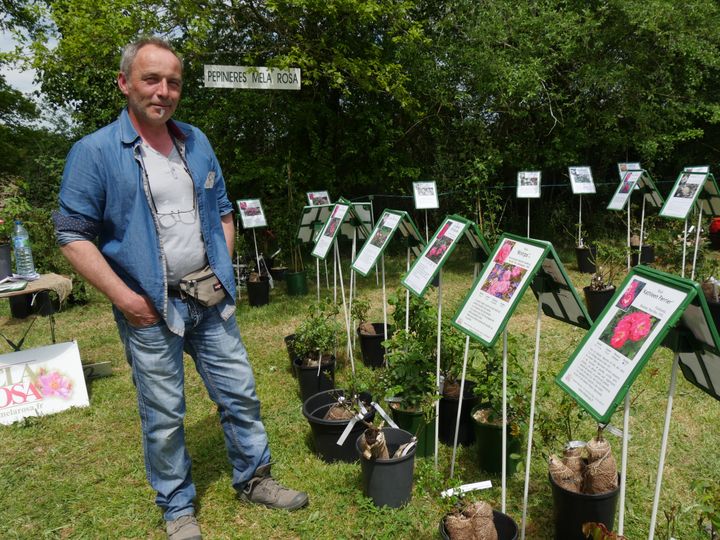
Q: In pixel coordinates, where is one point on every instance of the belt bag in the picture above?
(204, 286)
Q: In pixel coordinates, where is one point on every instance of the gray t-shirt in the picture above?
(179, 224)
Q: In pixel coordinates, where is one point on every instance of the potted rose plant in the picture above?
(608, 261)
(370, 334)
(313, 347)
(487, 416)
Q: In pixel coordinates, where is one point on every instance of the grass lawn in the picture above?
(80, 474)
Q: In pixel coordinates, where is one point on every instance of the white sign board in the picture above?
(581, 180)
(317, 198)
(622, 194)
(329, 231)
(425, 194)
(433, 256)
(495, 293)
(251, 213)
(254, 78)
(685, 193)
(625, 167)
(528, 184)
(41, 381)
(379, 237)
(616, 345)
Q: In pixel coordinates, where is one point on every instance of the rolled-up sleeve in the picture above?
(82, 196)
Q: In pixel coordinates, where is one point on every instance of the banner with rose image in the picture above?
(41, 381)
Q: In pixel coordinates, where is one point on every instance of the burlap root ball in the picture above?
(601, 473)
(564, 476)
(475, 523)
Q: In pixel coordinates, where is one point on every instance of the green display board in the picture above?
(516, 263)
(690, 187)
(342, 212)
(438, 249)
(618, 345)
(390, 222)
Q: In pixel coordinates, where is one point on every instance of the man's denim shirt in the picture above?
(104, 195)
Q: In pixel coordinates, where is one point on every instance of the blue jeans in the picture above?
(155, 355)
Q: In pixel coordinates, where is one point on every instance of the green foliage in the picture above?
(317, 333)
(360, 309)
(410, 375)
(609, 260)
(487, 372)
(708, 496)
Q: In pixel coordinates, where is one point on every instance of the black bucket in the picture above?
(259, 292)
(448, 417)
(505, 526)
(597, 300)
(5, 261)
(373, 353)
(327, 432)
(388, 482)
(571, 510)
(585, 257)
(309, 381)
(648, 255)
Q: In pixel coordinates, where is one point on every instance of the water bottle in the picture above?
(24, 264)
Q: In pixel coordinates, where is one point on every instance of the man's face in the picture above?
(153, 87)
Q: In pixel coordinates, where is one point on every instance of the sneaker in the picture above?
(264, 489)
(183, 528)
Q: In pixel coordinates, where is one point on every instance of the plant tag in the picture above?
(363, 410)
(486, 484)
(409, 446)
(347, 431)
(384, 415)
(616, 431)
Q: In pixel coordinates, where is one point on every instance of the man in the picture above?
(151, 191)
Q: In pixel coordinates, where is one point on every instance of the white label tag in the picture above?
(616, 431)
(384, 415)
(347, 431)
(487, 484)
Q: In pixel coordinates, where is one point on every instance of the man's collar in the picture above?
(128, 133)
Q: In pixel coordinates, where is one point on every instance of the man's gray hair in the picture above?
(130, 52)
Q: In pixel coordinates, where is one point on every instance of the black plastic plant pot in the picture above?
(648, 255)
(373, 353)
(20, 307)
(278, 273)
(505, 526)
(414, 422)
(489, 447)
(597, 300)
(448, 417)
(296, 283)
(259, 292)
(571, 510)
(327, 432)
(290, 346)
(388, 482)
(310, 382)
(5, 261)
(585, 257)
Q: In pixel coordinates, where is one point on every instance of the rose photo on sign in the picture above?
(381, 236)
(318, 200)
(249, 210)
(628, 331)
(528, 179)
(627, 184)
(334, 222)
(504, 252)
(629, 296)
(503, 280)
(438, 249)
